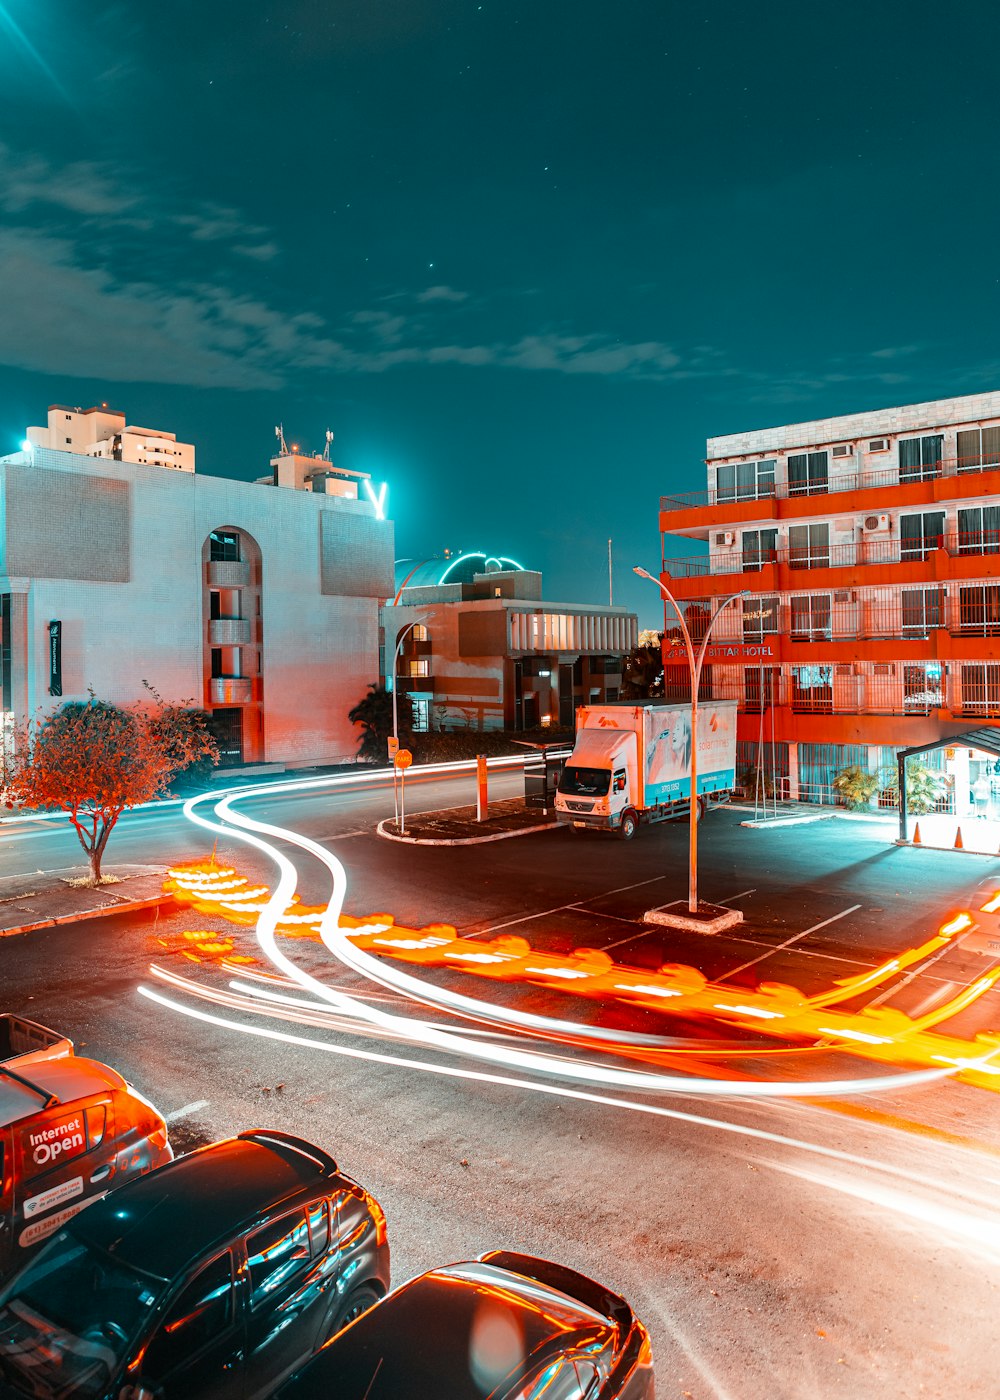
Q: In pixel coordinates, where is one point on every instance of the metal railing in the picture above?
(835, 484)
(871, 549)
(967, 690)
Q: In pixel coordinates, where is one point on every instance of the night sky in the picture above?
(521, 256)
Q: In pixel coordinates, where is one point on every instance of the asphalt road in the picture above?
(837, 1248)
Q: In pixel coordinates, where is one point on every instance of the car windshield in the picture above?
(585, 782)
(68, 1320)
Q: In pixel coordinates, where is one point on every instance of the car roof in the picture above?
(165, 1221)
(457, 1331)
(24, 1089)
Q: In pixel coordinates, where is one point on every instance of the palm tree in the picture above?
(374, 714)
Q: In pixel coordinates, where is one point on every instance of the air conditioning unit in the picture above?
(884, 668)
(878, 524)
(845, 595)
(845, 668)
(879, 445)
(843, 449)
(728, 537)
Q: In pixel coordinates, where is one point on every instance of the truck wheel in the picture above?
(629, 825)
(702, 808)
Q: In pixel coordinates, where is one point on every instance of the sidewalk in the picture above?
(458, 825)
(47, 898)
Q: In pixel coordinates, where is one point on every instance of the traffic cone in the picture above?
(916, 834)
(959, 843)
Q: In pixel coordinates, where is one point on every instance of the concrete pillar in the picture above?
(793, 771)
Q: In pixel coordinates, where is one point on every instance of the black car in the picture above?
(212, 1278)
(503, 1327)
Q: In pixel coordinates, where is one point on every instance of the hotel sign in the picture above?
(741, 651)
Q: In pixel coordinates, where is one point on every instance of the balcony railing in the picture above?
(230, 690)
(972, 691)
(229, 631)
(835, 484)
(228, 573)
(868, 550)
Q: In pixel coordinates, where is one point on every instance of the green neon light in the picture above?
(486, 558)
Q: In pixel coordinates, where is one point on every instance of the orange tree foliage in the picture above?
(93, 760)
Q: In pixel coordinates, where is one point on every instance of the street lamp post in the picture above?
(401, 638)
(695, 664)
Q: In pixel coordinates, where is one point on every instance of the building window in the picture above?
(923, 609)
(217, 670)
(812, 689)
(421, 711)
(981, 690)
(419, 667)
(760, 688)
(224, 546)
(744, 481)
(808, 473)
(979, 530)
(760, 618)
(920, 458)
(922, 688)
(978, 449)
(979, 609)
(760, 547)
(419, 632)
(919, 534)
(810, 617)
(809, 546)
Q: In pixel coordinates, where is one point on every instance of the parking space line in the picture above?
(788, 942)
(187, 1110)
(561, 908)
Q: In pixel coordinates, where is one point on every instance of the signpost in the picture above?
(401, 761)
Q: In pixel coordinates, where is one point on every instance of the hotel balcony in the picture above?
(886, 560)
(230, 690)
(697, 512)
(228, 573)
(229, 631)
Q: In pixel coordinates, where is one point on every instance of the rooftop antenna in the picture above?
(279, 433)
(326, 449)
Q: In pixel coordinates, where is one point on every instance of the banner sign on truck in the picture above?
(668, 751)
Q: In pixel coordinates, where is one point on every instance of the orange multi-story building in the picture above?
(868, 551)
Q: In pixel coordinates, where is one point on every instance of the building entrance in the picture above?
(226, 726)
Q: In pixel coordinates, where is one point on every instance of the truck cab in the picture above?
(598, 784)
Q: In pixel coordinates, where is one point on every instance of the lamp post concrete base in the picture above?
(710, 918)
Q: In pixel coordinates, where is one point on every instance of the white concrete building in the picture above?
(260, 604)
(103, 432)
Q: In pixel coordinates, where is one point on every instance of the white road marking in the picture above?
(187, 1110)
(788, 942)
(560, 908)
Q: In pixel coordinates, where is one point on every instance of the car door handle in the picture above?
(102, 1173)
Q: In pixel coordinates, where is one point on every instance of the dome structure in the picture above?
(460, 568)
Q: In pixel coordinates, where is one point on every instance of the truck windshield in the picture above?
(68, 1320)
(585, 782)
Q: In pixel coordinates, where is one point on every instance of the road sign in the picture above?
(403, 758)
(393, 746)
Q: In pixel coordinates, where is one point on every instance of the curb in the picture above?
(460, 840)
(126, 907)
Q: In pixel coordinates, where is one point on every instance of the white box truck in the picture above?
(631, 763)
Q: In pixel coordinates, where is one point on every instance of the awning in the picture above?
(987, 740)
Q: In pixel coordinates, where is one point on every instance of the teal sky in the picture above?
(521, 257)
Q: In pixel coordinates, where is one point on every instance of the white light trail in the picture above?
(461, 1042)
